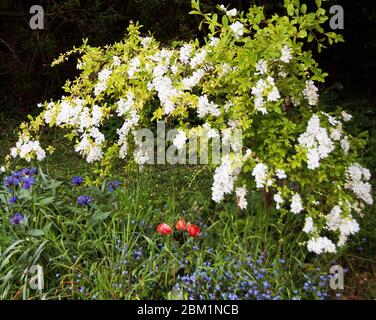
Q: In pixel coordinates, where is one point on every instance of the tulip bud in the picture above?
(181, 225)
(164, 229)
(193, 230)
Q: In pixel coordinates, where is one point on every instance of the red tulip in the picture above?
(164, 229)
(193, 230)
(181, 225)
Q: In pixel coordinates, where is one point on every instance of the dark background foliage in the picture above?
(26, 77)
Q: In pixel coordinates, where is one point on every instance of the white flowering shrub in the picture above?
(253, 73)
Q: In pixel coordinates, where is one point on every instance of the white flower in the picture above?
(345, 225)
(209, 131)
(296, 204)
(286, 55)
(263, 87)
(320, 245)
(91, 149)
(124, 106)
(28, 149)
(80, 65)
(281, 174)
(332, 120)
(185, 53)
(228, 105)
(237, 28)
(102, 81)
(295, 101)
(180, 139)
(2, 169)
(204, 107)
(193, 80)
(241, 197)
(166, 91)
(117, 61)
(311, 93)
(346, 116)
(357, 179)
(213, 42)
(345, 145)
(50, 112)
(261, 175)
(278, 199)
(336, 134)
(224, 179)
(133, 67)
(309, 226)
(262, 67)
(198, 59)
(317, 142)
(146, 41)
(232, 12)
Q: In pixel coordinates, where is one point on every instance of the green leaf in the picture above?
(99, 216)
(35, 233)
(46, 201)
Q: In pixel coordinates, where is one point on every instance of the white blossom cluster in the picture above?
(180, 140)
(133, 67)
(230, 13)
(241, 197)
(278, 200)
(130, 122)
(260, 172)
(90, 145)
(265, 88)
(309, 226)
(206, 107)
(193, 80)
(224, 179)
(125, 105)
(344, 225)
(357, 180)
(102, 81)
(317, 142)
(185, 53)
(68, 113)
(28, 149)
(321, 245)
(346, 116)
(262, 67)
(310, 92)
(296, 204)
(237, 28)
(198, 59)
(286, 54)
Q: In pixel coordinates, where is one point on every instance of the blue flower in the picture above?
(13, 200)
(77, 180)
(18, 218)
(113, 185)
(33, 171)
(28, 182)
(84, 200)
(25, 171)
(11, 181)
